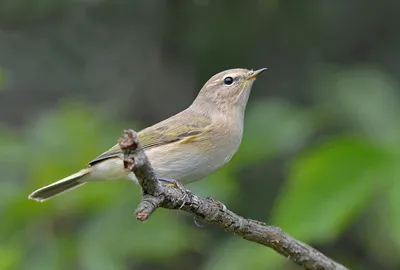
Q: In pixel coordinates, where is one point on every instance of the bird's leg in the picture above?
(175, 183)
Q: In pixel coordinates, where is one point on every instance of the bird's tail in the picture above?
(68, 183)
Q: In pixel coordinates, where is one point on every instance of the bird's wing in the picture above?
(183, 127)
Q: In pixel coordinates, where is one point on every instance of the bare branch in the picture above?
(211, 211)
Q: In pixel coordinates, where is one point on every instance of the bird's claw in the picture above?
(176, 184)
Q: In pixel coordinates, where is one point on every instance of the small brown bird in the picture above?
(185, 147)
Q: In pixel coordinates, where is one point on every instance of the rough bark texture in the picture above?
(211, 211)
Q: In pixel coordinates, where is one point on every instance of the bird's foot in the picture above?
(176, 184)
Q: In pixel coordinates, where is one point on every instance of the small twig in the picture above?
(157, 195)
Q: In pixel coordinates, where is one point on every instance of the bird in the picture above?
(184, 148)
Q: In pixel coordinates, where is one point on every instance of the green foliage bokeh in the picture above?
(319, 157)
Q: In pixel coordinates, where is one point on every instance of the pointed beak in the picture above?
(255, 73)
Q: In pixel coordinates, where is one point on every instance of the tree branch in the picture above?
(157, 195)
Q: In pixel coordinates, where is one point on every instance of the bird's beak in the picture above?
(255, 73)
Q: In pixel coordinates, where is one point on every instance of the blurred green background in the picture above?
(321, 150)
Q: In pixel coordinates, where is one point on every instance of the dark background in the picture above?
(321, 150)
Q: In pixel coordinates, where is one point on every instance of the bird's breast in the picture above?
(194, 160)
(183, 161)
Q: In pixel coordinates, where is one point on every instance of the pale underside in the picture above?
(177, 149)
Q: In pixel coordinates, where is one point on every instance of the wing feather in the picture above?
(184, 126)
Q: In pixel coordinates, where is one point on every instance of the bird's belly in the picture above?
(185, 165)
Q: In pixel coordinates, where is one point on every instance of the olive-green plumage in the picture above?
(188, 126)
(185, 147)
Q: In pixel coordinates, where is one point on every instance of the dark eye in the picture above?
(228, 80)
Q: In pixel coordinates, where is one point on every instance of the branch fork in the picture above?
(155, 195)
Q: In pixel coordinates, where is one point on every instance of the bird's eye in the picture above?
(228, 80)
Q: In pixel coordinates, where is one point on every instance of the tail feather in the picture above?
(68, 183)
